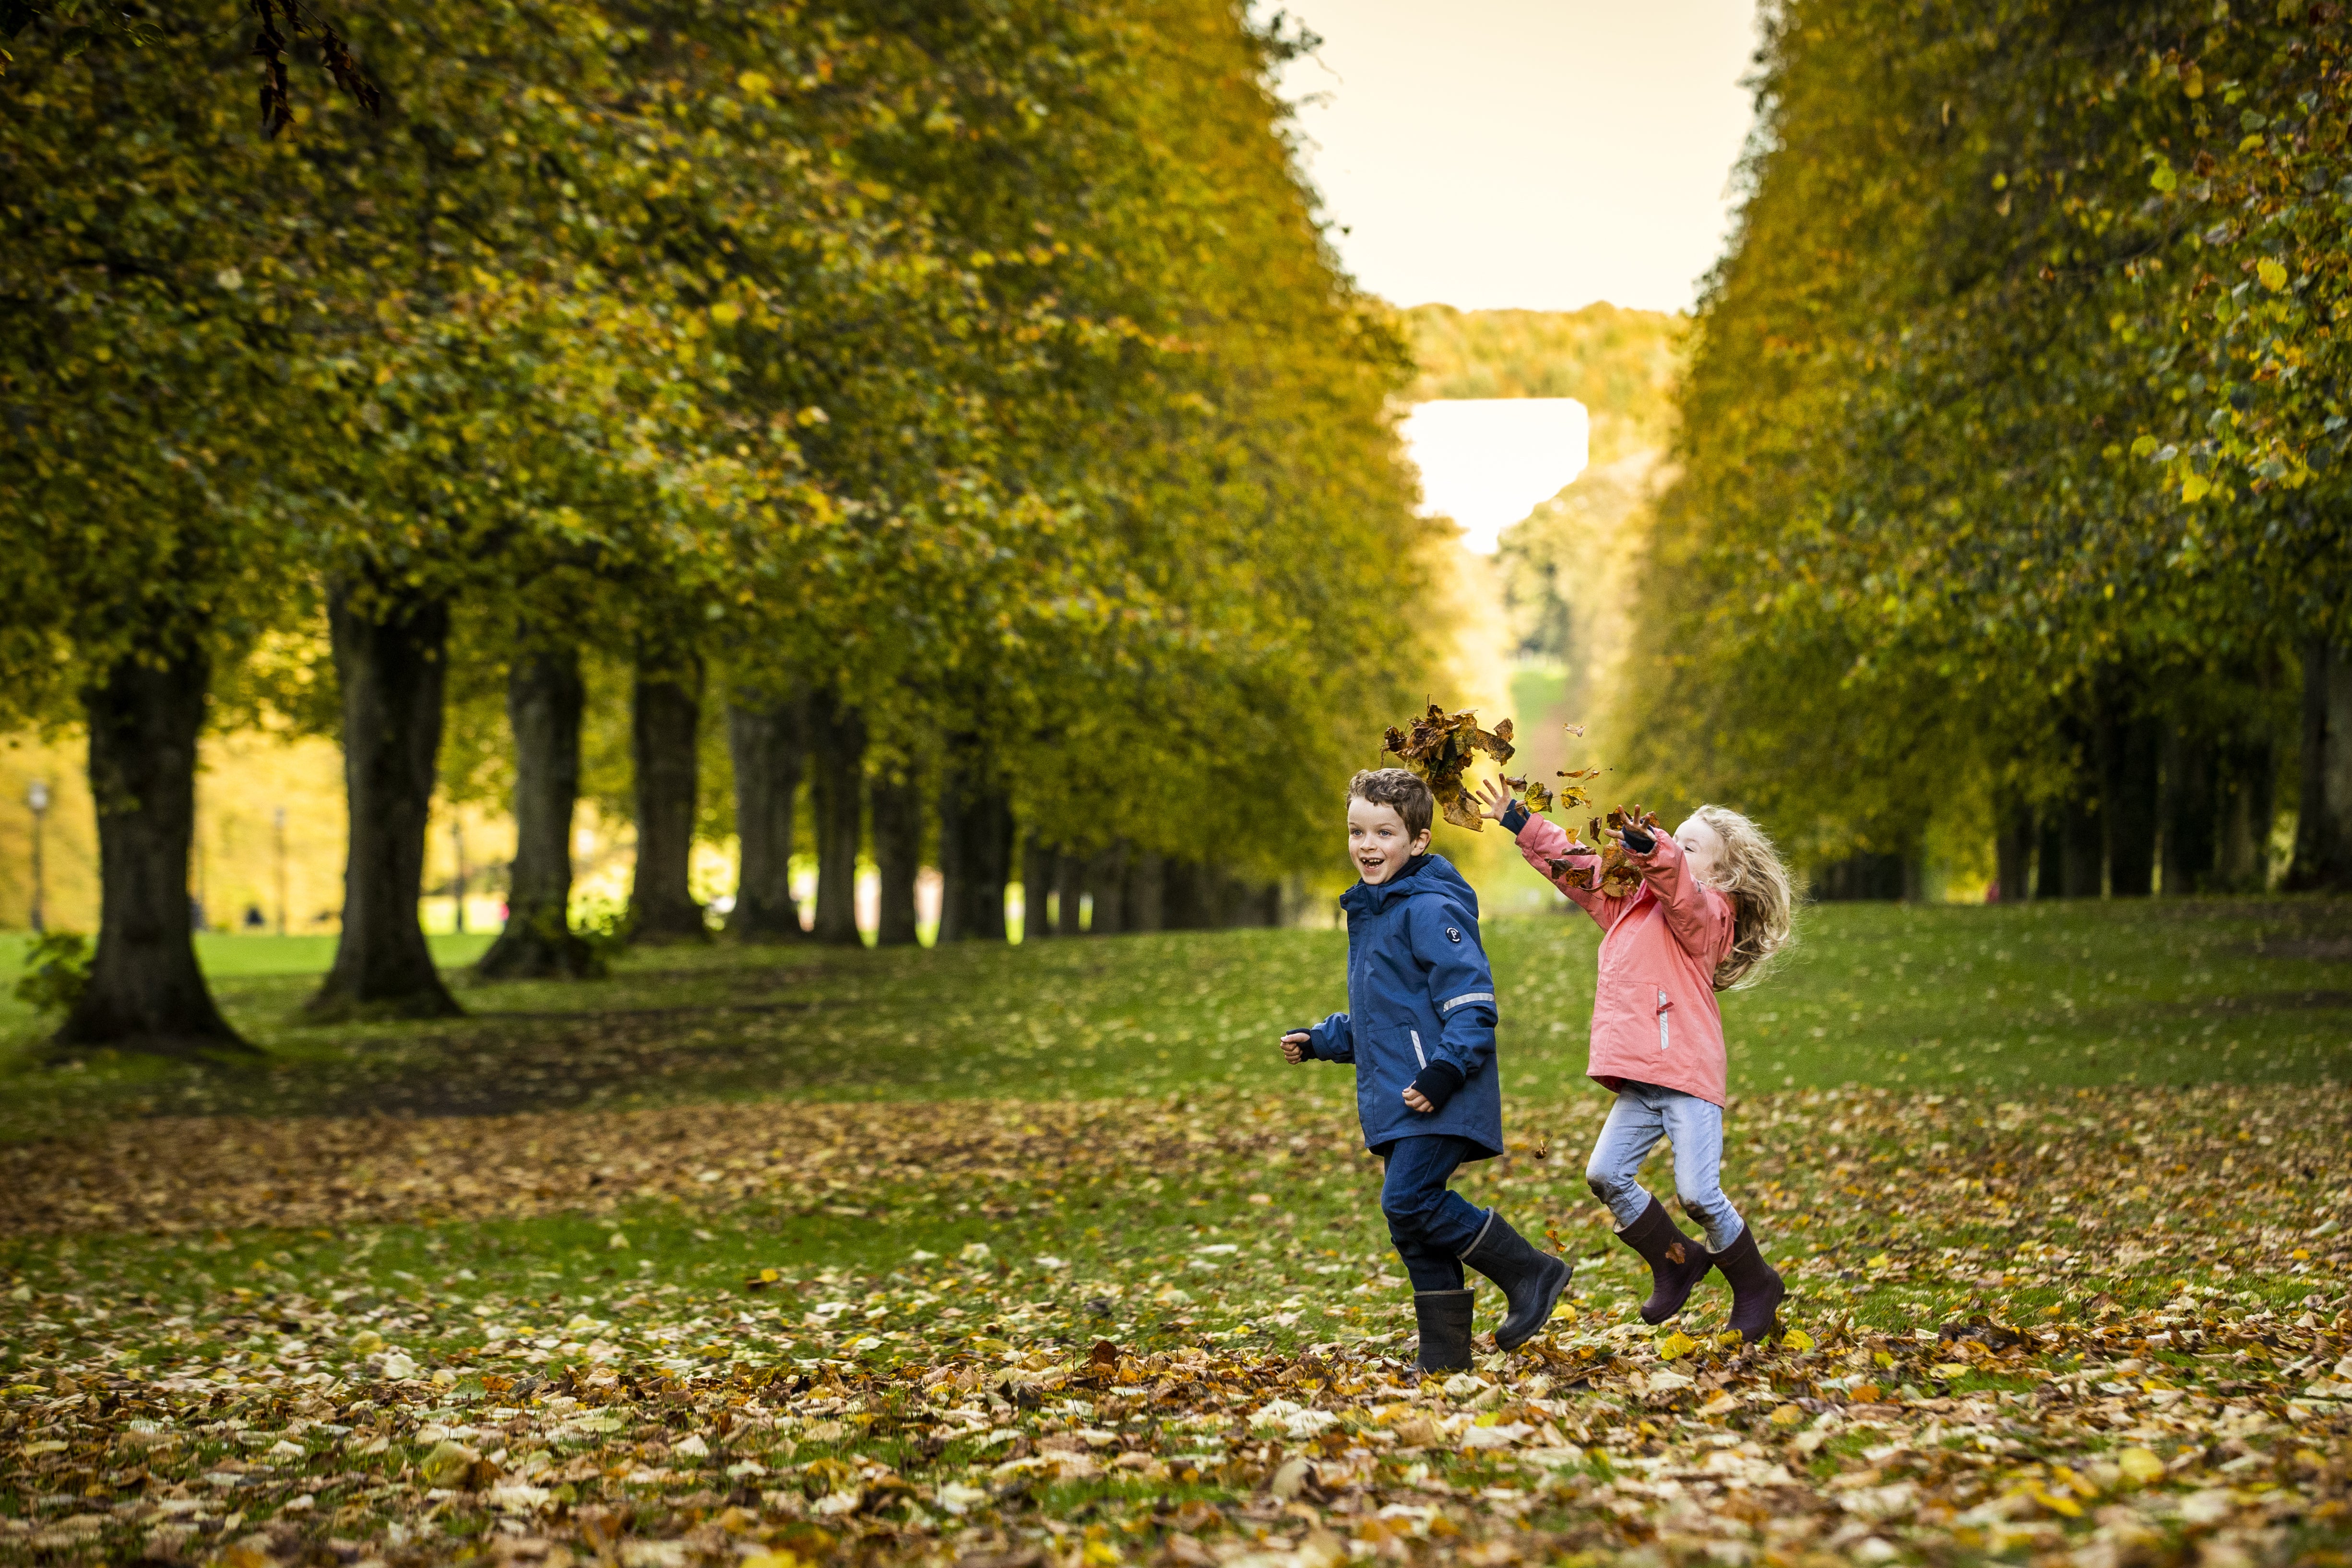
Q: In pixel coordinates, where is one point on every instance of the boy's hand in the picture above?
(1493, 798)
(1294, 1048)
(1417, 1100)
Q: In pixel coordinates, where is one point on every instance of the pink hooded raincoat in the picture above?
(1655, 1017)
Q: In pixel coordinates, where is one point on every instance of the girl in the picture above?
(1712, 910)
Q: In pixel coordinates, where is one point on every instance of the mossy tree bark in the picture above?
(665, 720)
(764, 739)
(836, 789)
(389, 649)
(2323, 831)
(896, 804)
(545, 699)
(146, 991)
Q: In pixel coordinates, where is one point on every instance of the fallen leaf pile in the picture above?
(2114, 1325)
(1439, 748)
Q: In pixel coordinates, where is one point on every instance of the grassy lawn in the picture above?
(1040, 1255)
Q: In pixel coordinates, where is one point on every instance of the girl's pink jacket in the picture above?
(1655, 1019)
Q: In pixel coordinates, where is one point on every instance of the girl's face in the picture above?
(1702, 848)
(1379, 842)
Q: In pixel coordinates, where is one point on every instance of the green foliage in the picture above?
(56, 972)
(986, 368)
(2005, 418)
(1621, 364)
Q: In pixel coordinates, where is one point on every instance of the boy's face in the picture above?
(1378, 840)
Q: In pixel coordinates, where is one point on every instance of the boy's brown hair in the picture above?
(1401, 792)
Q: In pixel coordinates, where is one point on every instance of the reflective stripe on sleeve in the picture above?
(1467, 997)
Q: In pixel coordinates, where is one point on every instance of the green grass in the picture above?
(2192, 1238)
(2045, 995)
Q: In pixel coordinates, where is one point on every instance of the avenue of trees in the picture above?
(2013, 491)
(953, 406)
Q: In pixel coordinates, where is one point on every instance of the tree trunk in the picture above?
(2012, 850)
(1036, 883)
(837, 736)
(975, 853)
(1107, 889)
(2248, 807)
(544, 702)
(1146, 888)
(990, 863)
(897, 808)
(1186, 901)
(1069, 890)
(146, 991)
(2190, 812)
(763, 739)
(2323, 832)
(2083, 848)
(2130, 795)
(2050, 854)
(391, 664)
(666, 716)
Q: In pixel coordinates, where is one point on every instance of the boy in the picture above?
(1420, 1031)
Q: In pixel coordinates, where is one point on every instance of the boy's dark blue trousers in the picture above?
(1431, 1225)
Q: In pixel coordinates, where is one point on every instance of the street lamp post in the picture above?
(38, 798)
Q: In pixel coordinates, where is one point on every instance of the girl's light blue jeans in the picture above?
(1643, 1115)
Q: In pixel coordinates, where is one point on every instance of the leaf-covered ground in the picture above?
(2105, 1324)
(2110, 1321)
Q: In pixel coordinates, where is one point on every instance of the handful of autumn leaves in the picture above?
(1439, 748)
(1616, 876)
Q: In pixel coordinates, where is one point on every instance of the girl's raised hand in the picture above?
(1492, 796)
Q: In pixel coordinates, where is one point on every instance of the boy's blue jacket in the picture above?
(1419, 991)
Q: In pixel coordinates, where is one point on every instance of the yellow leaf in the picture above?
(1796, 1339)
(2195, 487)
(367, 1341)
(2052, 1502)
(1788, 1416)
(2140, 1466)
(1949, 1369)
(726, 312)
(1676, 1345)
(2271, 273)
(1881, 1261)
(447, 1462)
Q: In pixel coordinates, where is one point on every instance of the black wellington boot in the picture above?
(1531, 1280)
(1756, 1287)
(1678, 1262)
(1444, 1317)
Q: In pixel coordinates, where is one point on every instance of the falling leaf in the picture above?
(1439, 748)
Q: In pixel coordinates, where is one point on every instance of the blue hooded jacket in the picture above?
(1420, 994)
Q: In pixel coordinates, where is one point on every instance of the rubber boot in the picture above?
(1755, 1288)
(1678, 1262)
(1444, 1319)
(1531, 1280)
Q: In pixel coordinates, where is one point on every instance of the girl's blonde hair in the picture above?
(1752, 875)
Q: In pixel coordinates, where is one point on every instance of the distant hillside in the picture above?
(1620, 363)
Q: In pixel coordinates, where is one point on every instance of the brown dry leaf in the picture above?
(1439, 748)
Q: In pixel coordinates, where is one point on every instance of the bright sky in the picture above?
(1487, 462)
(1538, 154)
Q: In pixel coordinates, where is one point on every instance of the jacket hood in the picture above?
(1424, 874)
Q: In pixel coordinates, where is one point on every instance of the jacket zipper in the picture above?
(1417, 1052)
(1664, 1004)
